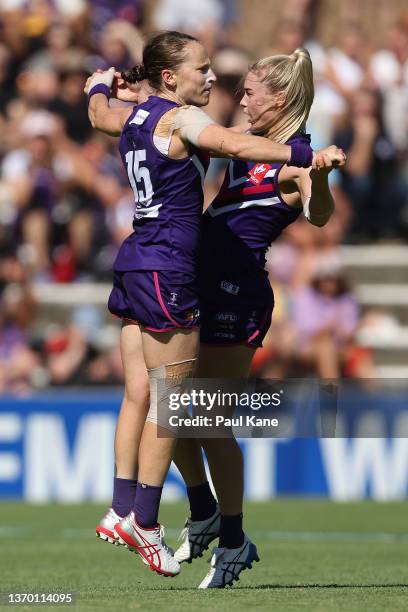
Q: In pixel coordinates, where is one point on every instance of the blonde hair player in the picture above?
(255, 203)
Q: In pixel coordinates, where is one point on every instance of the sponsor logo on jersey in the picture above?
(229, 287)
(140, 117)
(229, 317)
(258, 172)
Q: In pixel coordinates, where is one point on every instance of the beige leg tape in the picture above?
(164, 381)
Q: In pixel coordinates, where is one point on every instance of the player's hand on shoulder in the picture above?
(100, 77)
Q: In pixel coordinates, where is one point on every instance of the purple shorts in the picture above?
(160, 301)
(235, 310)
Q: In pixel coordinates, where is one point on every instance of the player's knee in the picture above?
(137, 393)
(166, 382)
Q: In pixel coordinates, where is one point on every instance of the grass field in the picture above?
(315, 555)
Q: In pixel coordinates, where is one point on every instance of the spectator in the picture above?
(120, 45)
(389, 69)
(206, 19)
(325, 317)
(65, 204)
(345, 62)
(371, 179)
(29, 173)
(84, 352)
(5, 91)
(70, 103)
(18, 362)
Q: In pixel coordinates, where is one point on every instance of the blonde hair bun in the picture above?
(301, 53)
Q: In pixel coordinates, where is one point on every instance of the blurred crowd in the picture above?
(65, 204)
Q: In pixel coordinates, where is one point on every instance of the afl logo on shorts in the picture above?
(229, 287)
(226, 317)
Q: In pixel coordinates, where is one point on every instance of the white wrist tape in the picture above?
(102, 78)
(191, 121)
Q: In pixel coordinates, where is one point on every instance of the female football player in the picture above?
(155, 285)
(255, 203)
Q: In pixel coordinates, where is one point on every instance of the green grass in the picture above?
(315, 555)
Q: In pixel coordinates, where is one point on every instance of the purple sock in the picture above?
(124, 491)
(231, 534)
(146, 504)
(202, 502)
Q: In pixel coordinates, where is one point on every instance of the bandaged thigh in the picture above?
(165, 381)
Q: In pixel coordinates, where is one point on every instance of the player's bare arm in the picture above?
(101, 115)
(310, 187)
(226, 143)
(241, 128)
(106, 119)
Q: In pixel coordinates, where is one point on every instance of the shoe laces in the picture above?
(162, 542)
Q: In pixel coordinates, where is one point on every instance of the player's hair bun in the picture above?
(300, 54)
(135, 74)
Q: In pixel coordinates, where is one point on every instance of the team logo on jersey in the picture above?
(258, 172)
(229, 287)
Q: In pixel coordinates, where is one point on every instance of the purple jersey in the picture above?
(168, 196)
(248, 213)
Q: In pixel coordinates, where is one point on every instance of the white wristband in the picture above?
(101, 78)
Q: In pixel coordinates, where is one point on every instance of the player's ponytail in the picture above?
(301, 54)
(292, 75)
(135, 74)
